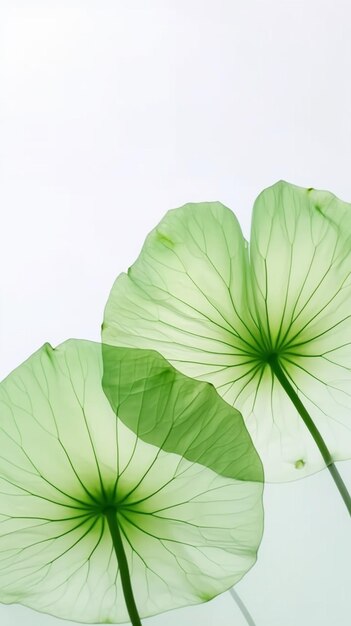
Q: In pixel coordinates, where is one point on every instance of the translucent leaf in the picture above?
(188, 532)
(218, 311)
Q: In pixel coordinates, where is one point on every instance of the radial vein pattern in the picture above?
(220, 309)
(188, 531)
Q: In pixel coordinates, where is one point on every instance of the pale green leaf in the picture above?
(188, 532)
(218, 311)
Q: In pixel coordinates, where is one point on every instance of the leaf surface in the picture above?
(217, 310)
(188, 532)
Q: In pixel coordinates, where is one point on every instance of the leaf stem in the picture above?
(308, 421)
(111, 517)
(242, 607)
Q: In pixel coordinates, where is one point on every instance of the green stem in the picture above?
(242, 607)
(285, 383)
(111, 516)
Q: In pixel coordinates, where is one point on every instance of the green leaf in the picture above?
(220, 311)
(71, 474)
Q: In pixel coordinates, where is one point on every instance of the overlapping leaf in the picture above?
(191, 521)
(218, 310)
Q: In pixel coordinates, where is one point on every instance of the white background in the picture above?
(113, 112)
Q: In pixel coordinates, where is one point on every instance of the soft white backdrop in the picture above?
(112, 112)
